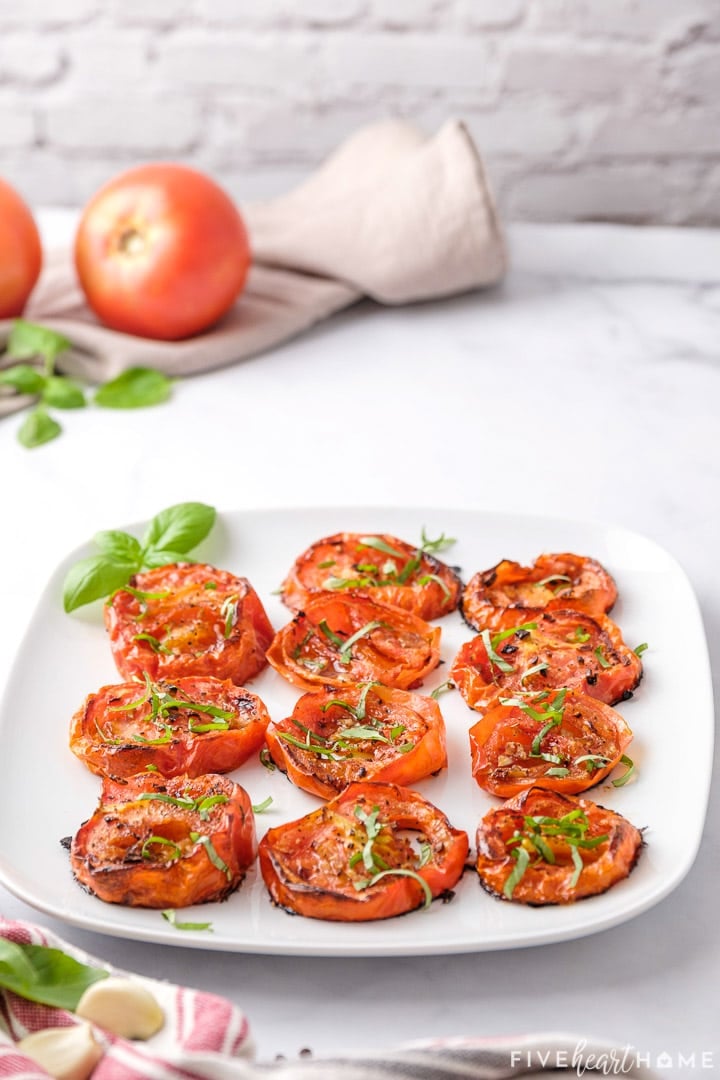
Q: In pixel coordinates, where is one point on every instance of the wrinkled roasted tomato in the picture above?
(160, 843)
(560, 739)
(188, 619)
(353, 860)
(193, 726)
(553, 649)
(346, 639)
(543, 847)
(386, 569)
(553, 581)
(366, 732)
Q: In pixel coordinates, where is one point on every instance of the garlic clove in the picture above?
(123, 1007)
(66, 1053)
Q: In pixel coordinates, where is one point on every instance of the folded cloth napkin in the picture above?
(392, 214)
(205, 1037)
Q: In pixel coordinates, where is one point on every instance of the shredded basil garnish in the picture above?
(169, 915)
(377, 867)
(493, 657)
(160, 841)
(212, 854)
(630, 767)
(601, 658)
(155, 645)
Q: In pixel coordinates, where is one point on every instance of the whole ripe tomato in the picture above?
(20, 252)
(162, 252)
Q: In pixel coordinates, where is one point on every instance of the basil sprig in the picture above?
(134, 388)
(48, 976)
(168, 538)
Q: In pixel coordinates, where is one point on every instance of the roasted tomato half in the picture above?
(188, 619)
(554, 649)
(553, 581)
(543, 847)
(347, 639)
(388, 570)
(366, 732)
(559, 739)
(193, 726)
(375, 851)
(160, 843)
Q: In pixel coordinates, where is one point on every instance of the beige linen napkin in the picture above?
(392, 214)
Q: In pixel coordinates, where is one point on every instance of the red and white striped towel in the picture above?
(205, 1037)
(200, 1030)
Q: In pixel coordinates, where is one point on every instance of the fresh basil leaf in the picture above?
(38, 428)
(92, 578)
(154, 558)
(135, 388)
(121, 545)
(45, 975)
(24, 378)
(28, 339)
(179, 528)
(63, 393)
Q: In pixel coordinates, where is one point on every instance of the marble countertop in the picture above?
(586, 386)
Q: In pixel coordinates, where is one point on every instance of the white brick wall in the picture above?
(581, 108)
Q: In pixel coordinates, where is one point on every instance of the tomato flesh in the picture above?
(145, 847)
(604, 861)
(553, 581)
(391, 735)
(318, 866)
(190, 726)
(190, 619)
(559, 739)
(391, 646)
(553, 649)
(409, 579)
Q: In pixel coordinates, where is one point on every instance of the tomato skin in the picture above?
(571, 663)
(305, 863)
(365, 759)
(310, 574)
(501, 744)
(161, 251)
(547, 883)
(20, 252)
(400, 653)
(117, 753)
(508, 584)
(189, 622)
(106, 853)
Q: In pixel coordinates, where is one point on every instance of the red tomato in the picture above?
(20, 252)
(188, 619)
(160, 843)
(193, 726)
(543, 847)
(162, 252)
(388, 570)
(560, 739)
(553, 581)
(553, 649)
(344, 639)
(366, 732)
(353, 860)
